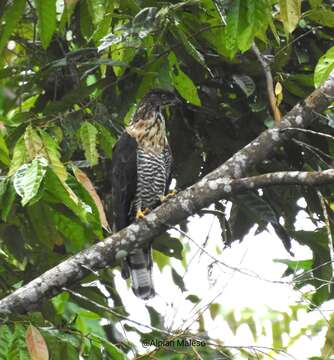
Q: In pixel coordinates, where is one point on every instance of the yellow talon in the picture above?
(141, 213)
(164, 198)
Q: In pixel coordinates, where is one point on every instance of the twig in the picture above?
(107, 309)
(309, 132)
(270, 85)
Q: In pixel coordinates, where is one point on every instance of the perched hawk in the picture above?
(140, 177)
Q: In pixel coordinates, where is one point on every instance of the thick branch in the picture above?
(313, 178)
(209, 189)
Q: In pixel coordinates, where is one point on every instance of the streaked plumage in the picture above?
(140, 175)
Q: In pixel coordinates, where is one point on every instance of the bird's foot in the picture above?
(164, 198)
(141, 213)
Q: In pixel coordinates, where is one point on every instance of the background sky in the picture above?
(251, 279)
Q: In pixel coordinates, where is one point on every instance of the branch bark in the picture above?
(306, 178)
(213, 187)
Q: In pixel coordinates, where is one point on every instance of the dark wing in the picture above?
(123, 180)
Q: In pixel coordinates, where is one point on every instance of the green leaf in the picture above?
(86, 23)
(40, 216)
(277, 334)
(160, 259)
(4, 153)
(190, 48)
(62, 345)
(300, 84)
(232, 321)
(257, 207)
(144, 21)
(324, 67)
(322, 268)
(8, 200)
(46, 11)
(111, 349)
(328, 347)
(232, 29)
(295, 265)
(28, 178)
(315, 3)
(52, 151)
(58, 192)
(103, 26)
(97, 9)
(88, 136)
(33, 143)
(69, 8)
(6, 339)
(246, 84)
(322, 16)
(168, 245)
(178, 280)
(73, 97)
(214, 309)
(254, 22)
(240, 222)
(10, 18)
(182, 82)
(74, 232)
(290, 11)
(193, 298)
(157, 75)
(106, 140)
(18, 349)
(19, 156)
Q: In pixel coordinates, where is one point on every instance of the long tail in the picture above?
(139, 268)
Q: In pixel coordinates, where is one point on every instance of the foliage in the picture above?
(71, 74)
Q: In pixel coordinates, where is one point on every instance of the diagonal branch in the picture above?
(213, 187)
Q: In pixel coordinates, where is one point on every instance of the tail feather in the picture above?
(139, 267)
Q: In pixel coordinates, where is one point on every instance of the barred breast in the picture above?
(151, 178)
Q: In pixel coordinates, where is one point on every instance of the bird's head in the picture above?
(160, 97)
(154, 101)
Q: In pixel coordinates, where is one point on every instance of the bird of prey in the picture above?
(140, 178)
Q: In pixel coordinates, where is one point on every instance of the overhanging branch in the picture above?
(213, 187)
(313, 178)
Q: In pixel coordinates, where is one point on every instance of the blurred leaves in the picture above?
(88, 185)
(28, 178)
(88, 137)
(182, 83)
(9, 19)
(324, 67)
(46, 11)
(290, 12)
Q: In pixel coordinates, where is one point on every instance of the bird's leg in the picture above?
(141, 213)
(164, 198)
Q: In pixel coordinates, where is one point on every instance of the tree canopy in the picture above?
(71, 74)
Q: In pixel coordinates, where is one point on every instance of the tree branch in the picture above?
(312, 178)
(270, 85)
(213, 187)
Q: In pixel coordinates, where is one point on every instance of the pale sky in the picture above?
(252, 288)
